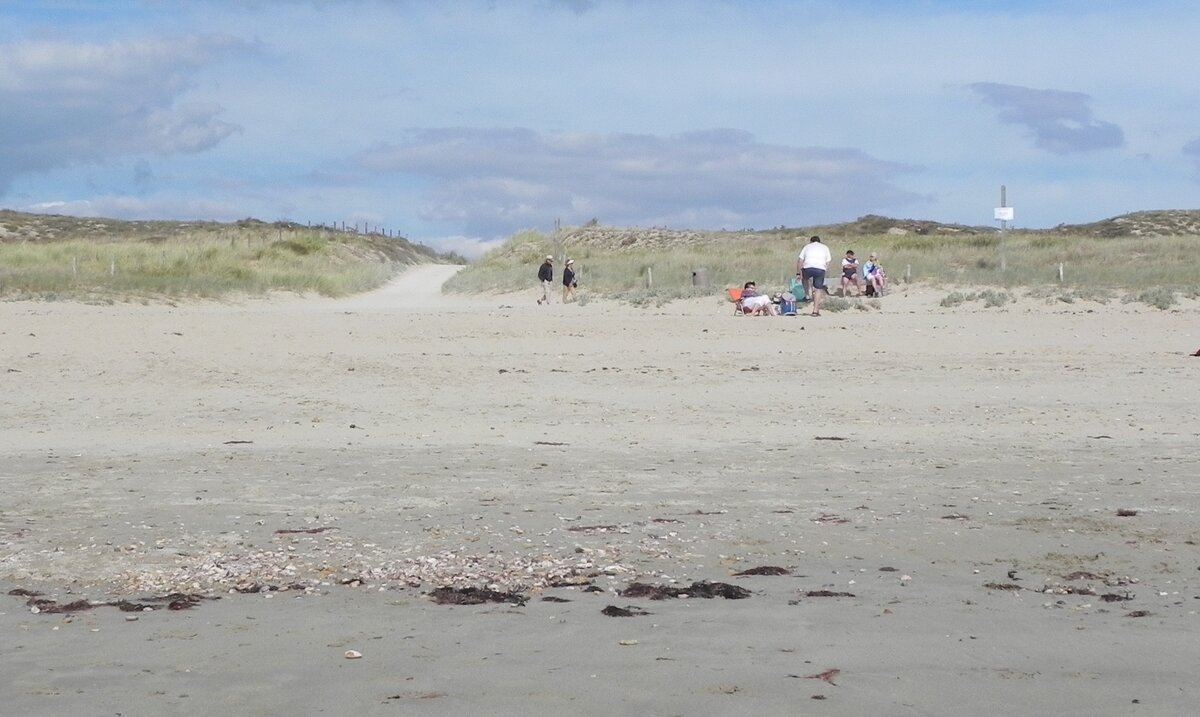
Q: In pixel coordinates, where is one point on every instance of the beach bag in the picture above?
(787, 305)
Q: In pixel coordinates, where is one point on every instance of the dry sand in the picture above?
(463, 442)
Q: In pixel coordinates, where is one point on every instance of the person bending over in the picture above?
(812, 262)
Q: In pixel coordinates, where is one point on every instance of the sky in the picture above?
(457, 123)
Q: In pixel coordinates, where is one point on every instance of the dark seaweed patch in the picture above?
(699, 589)
(628, 611)
(305, 531)
(474, 596)
(765, 570)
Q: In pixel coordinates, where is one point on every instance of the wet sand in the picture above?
(953, 492)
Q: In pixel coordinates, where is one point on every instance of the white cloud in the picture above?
(1060, 122)
(493, 181)
(125, 207)
(469, 247)
(63, 104)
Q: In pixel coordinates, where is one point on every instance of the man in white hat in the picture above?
(546, 276)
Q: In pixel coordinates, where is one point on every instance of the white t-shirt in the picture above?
(815, 255)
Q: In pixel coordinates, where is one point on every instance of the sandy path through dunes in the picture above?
(420, 287)
(488, 440)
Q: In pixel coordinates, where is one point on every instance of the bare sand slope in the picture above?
(417, 288)
(980, 511)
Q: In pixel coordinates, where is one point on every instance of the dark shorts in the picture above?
(816, 275)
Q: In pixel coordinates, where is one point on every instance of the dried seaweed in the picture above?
(474, 596)
(699, 589)
(826, 676)
(628, 611)
(173, 601)
(1002, 586)
(765, 570)
(554, 598)
(76, 606)
(129, 606)
(830, 519)
(705, 589)
(592, 528)
(827, 593)
(1113, 597)
(1082, 575)
(307, 531)
(1126, 513)
(1138, 613)
(22, 592)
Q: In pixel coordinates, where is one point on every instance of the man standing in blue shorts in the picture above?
(811, 265)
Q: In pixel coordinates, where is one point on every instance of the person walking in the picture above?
(811, 264)
(569, 282)
(546, 276)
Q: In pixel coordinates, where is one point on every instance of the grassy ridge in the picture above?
(63, 257)
(625, 263)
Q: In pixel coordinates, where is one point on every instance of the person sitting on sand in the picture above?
(850, 274)
(754, 302)
(876, 279)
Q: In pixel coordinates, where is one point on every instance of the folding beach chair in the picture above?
(735, 295)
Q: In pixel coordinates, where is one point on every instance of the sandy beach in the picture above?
(976, 510)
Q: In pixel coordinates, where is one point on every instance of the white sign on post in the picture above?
(1004, 214)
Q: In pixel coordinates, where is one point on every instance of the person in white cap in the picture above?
(569, 282)
(546, 276)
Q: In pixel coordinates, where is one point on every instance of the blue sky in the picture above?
(457, 123)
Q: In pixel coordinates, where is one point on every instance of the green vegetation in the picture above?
(990, 298)
(657, 265)
(63, 257)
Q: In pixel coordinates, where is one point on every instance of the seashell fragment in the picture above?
(353, 654)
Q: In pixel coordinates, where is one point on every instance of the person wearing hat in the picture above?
(569, 282)
(546, 276)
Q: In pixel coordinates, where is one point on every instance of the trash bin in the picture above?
(700, 277)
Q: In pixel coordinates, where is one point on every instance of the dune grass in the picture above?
(182, 267)
(1146, 268)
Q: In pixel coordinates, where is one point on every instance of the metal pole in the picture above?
(1003, 225)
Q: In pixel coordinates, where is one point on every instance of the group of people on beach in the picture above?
(546, 276)
(809, 284)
